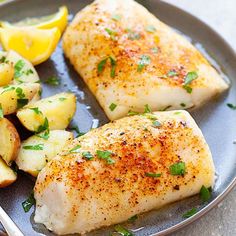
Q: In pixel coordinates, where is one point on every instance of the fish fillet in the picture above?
(76, 195)
(128, 58)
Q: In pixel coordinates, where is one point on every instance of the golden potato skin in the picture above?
(6, 73)
(9, 141)
(7, 175)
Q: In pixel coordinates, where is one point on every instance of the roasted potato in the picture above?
(36, 151)
(57, 111)
(7, 175)
(13, 97)
(9, 141)
(6, 73)
(24, 71)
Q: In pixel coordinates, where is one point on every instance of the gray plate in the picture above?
(215, 119)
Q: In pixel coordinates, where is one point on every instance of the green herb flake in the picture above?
(3, 59)
(37, 147)
(190, 213)
(76, 149)
(205, 194)
(232, 106)
(1, 112)
(150, 28)
(177, 113)
(45, 135)
(188, 79)
(154, 50)
(18, 68)
(22, 102)
(154, 175)
(144, 61)
(19, 92)
(28, 72)
(178, 168)
(28, 203)
(7, 88)
(182, 104)
(113, 67)
(44, 126)
(111, 33)
(101, 65)
(106, 155)
(132, 113)
(62, 99)
(156, 123)
(133, 218)
(172, 73)
(36, 110)
(187, 88)
(53, 80)
(112, 107)
(76, 129)
(147, 109)
(123, 231)
(87, 155)
(116, 17)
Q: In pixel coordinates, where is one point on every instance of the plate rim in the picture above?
(232, 183)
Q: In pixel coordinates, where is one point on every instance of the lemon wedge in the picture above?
(34, 44)
(59, 20)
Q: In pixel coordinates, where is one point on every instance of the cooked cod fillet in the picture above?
(121, 169)
(128, 58)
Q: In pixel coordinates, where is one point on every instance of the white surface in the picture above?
(221, 16)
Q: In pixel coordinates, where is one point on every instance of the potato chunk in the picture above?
(7, 175)
(36, 151)
(9, 141)
(57, 110)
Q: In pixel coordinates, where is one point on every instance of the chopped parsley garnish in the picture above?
(133, 218)
(62, 99)
(178, 168)
(154, 175)
(106, 155)
(7, 88)
(144, 61)
(22, 102)
(28, 203)
(3, 59)
(113, 67)
(45, 135)
(44, 126)
(76, 129)
(53, 80)
(133, 113)
(172, 73)
(101, 66)
(156, 123)
(19, 92)
(116, 17)
(76, 149)
(177, 113)
(182, 104)
(1, 111)
(205, 194)
(112, 107)
(190, 213)
(36, 110)
(87, 155)
(123, 231)
(167, 107)
(132, 35)
(18, 68)
(155, 50)
(28, 72)
(111, 33)
(232, 106)
(188, 79)
(150, 28)
(147, 109)
(37, 147)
